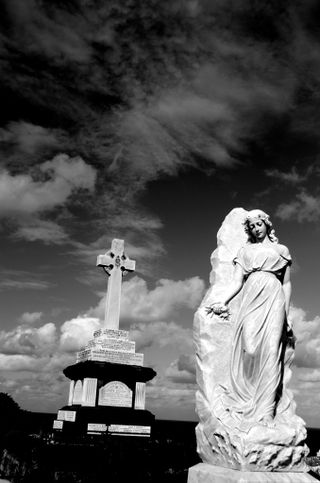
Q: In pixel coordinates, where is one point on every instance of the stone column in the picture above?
(89, 391)
(71, 390)
(140, 396)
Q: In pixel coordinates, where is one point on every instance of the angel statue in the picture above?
(244, 349)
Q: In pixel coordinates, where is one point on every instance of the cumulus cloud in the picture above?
(167, 398)
(162, 334)
(29, 340)
(308, 338)
(182, 370)
(22, 194)
(305, 207)
(30, 317)
(19, 362)
(76, 332)
(141, 304)
(26, 198)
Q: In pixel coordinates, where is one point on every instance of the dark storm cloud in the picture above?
(143, 89)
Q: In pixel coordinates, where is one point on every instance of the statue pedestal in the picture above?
(107, 389)
(205, 473)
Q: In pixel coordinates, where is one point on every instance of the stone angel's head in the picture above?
(257, 224)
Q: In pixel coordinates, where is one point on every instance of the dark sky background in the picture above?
(149, 121)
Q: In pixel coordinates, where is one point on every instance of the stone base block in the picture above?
(205, 473)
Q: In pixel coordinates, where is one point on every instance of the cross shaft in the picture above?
(115, 263)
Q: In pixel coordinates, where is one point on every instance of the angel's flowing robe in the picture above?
(257, 355)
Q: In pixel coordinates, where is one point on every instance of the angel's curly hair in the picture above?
(266, 219)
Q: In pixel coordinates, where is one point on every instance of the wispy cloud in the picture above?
(292, 177)
(305, 207)
(27, 137)
(22, 280)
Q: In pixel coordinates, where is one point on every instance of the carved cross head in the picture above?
(115, 259)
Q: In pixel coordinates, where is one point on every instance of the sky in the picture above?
(149, 122)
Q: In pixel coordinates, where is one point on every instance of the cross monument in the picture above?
(116, 264)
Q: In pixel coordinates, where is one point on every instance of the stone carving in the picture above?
(115, 263)
(244, 351)
(115, 393)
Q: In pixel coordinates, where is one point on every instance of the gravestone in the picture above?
(108, 381)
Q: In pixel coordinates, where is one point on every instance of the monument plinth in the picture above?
(108, 381)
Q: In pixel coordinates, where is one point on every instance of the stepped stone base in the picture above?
(104, 420)
(205, 473)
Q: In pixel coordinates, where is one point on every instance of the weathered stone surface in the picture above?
(129, 429)
(278, 448)
(115, 264)
(97, 427)
(112, 333)
(204, 473)
(140, 396)
(115, 393)
(110, 356)
(57, 424)
(112, 344)
(89, 391)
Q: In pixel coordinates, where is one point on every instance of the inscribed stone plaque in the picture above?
(128, 428)
(97, 427)
(117, 345)
(61, 415)
(115, 393)
(112, 333)
(70, 416)
(117, 357)
(57, 424)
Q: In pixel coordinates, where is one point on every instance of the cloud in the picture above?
(305, 207)
(141, 245)
(21, 194)
(171, 400)
(291, 177)
(27, 137)
(182, 370)
(19, 362)
(139, 303)
(22, 280)
(48, 33)
(30, 317)
(162, 334)
(28, 340)
(11, 284)
(47, 231)
(75, 333)
(307, 352)
(26, 198)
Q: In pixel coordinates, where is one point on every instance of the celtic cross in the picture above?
(115, 263)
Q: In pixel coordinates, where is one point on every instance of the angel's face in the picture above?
(258, 229)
